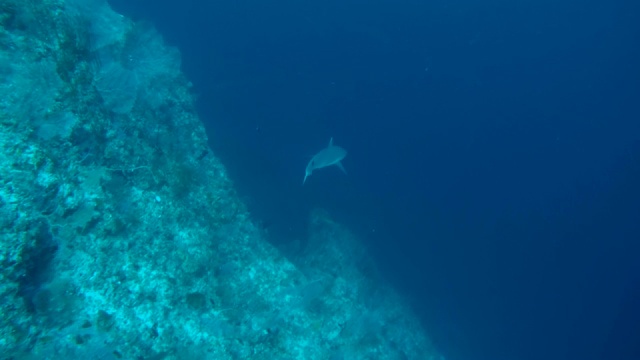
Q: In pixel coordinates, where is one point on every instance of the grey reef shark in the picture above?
(331, 155)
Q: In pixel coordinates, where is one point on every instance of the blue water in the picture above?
(494, 151)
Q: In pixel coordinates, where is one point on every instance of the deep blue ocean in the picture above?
(493, 151)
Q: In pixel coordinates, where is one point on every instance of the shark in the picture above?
(331, 155)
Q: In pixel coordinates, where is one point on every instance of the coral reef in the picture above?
(119, 240)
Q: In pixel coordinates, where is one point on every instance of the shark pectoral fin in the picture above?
(339, 164)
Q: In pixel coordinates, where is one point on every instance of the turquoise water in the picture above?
(151, 204)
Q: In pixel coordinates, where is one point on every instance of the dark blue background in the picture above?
(494, 151)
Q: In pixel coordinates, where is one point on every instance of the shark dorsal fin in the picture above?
(331, 142)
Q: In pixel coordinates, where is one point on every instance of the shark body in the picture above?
(331, 155)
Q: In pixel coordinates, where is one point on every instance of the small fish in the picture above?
(331, 155)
